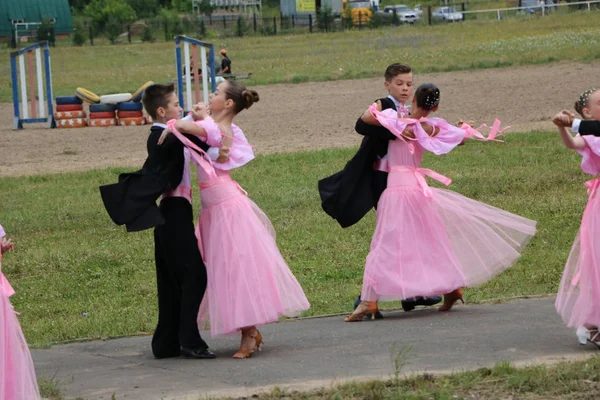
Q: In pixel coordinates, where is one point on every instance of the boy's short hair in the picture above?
(156, 96)
(396, 69)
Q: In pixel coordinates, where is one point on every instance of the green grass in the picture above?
(566, 380)
(342, 55)
(71, 259)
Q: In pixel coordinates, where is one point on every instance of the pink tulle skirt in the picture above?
(17, 373)
(249, 283)
(578, 299)
(432, 241)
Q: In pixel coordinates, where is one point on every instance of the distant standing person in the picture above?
(225, 63)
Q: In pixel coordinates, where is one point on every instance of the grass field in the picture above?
(77, 275)
(567, 380)
(341, 55)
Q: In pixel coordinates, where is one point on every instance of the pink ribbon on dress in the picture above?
(420, 174)
(470, 132)
(219, 180)
(592, 186)
(495, 131)
(199, 155)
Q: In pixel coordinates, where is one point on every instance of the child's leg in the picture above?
(191, 275)
(186, 270)
(165, 341)
(251, 341)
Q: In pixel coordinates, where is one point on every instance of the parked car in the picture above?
(447, 14)
(405, 14)
(532, 6)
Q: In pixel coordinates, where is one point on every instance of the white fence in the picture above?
(533, 7)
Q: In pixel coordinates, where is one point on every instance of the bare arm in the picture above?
(429, 130)
(571, 142)
(190, 127)
(561, 120)
(226, 143)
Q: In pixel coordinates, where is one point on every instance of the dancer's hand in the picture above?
(223, 154)
(460, 123)
(6, 245)
(163, 136)
(200, 111)
(563, 119)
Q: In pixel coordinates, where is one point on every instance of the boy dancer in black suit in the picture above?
(349, 194)
(181, 274)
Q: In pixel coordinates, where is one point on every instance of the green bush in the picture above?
(45, 31)
(241, 27)
(171, 23)
(112, 29)
(147, 35)
(79, 34)
(325, 19)
(145, 8)
(377, 20)
(206, 8)
(101, 12)
(266, 29)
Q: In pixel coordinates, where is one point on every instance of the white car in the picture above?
(405, 14)
(447, 14)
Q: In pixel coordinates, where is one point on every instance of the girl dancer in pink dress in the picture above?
(249, 282)
(427, 240)
(578, 299)
(17, 374)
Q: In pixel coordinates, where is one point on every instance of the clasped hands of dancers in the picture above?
(227, 270)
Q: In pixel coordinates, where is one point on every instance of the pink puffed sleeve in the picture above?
(241, 152)
(446, 137)
(389, 119)
(2, 233)
(590, 163)
(213, 136)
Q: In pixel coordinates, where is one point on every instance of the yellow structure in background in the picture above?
(360, 11)
(305, 5)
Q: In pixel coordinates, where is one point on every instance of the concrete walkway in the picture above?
(315, 352)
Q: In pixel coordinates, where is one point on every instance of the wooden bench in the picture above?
(233, 77)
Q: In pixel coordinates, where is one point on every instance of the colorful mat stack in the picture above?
(69, 112)
(123, 109)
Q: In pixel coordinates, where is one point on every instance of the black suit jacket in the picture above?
(132, 201)
(349, 194)
(588, 127)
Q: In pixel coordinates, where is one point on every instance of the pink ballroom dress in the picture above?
(17, 373)
(578, 299)
(249, 282)
(430, 241)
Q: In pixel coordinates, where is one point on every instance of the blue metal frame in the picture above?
(211, 61)
(17, 120)
(49, 94)
(15, 92)
(179, 73)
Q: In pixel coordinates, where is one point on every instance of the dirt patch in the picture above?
(311, 116)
